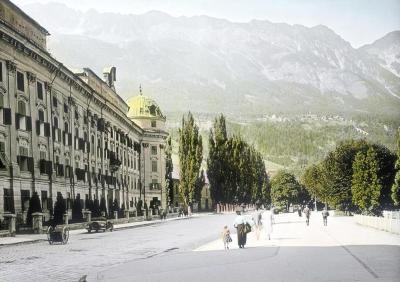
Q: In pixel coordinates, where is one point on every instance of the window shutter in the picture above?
(42, 166)
(69, 139)
(17, 121)
(100, 125)
(53, 133)
(49, 167)
(28, 121)
(47, 129)
(81, 144)
(30, 165)
(7, 116)
(63, 138)
(38, 127)
(88, 146)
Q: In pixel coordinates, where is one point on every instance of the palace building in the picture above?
(69, 132)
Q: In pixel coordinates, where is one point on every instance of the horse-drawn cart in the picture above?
(59, 234)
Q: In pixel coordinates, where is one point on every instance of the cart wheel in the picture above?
(65, 235)
(50, 230)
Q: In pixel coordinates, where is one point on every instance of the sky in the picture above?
(357, 21)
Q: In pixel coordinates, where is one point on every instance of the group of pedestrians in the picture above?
(307, 213)
(260, 220)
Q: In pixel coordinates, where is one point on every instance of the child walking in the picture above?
(226, 237)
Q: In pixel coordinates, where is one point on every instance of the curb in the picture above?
(146, 223)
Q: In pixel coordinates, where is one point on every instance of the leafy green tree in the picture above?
(366, 187)
(338, 171)
(169, 167)
(285, 189)
(396, 185)
(59, 209)
(386, 172)
(190, 158)
(313, 179)
(34, 206)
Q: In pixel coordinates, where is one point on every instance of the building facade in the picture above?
(69, 132)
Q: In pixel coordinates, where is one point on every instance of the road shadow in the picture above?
(273, 263)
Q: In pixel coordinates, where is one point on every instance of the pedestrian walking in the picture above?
(267, 223)
(239, 224)
(325, 215)
(272, 214)
(307, 213)
(299, 211)
(257, 218)
(226, 237)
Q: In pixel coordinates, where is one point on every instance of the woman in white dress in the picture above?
(267, 223)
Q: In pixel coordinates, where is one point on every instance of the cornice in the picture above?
(56, 68)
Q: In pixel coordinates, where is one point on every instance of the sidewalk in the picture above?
(291, 230)
(32, 238)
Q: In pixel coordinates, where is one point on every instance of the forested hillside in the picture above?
(298, 141)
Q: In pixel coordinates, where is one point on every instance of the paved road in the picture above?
(87, 254)
(343, 251)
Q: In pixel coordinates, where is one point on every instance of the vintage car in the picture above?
(100, 224)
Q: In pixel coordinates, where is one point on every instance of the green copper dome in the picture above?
(143, 107)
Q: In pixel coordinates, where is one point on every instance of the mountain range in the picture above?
(210, 65)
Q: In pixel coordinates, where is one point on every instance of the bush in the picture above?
(103, 207)
(139, 208)
(115, 207)
(95, 208)
(77, 215)
(59, 209)
(34, 206)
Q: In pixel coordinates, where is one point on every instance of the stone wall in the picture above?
(387, 223)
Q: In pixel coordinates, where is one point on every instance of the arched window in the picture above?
(21, 108)
(66, 127)
(55, 122)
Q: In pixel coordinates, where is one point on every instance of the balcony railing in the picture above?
(154, 186)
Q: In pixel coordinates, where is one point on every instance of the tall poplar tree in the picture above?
(366, 187)
(190, 157)
(396, 184)
(216, 162)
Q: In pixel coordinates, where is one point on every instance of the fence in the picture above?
(390, 222)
